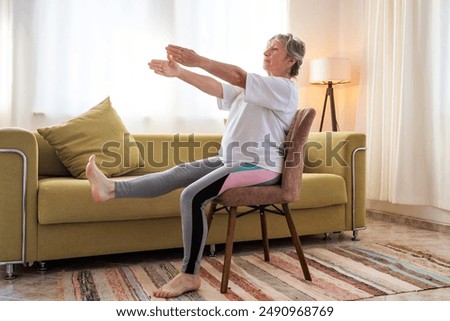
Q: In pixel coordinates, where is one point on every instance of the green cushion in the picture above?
(100, 132)
(320, 190)
(61, 198)
(69, 200)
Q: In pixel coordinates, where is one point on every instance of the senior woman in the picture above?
(261, 109)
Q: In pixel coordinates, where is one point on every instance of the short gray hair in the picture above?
(295, 49)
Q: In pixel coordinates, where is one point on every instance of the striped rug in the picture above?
(338, 273)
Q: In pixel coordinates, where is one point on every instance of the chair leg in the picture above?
(296, 241)
(265, 238)
(228, 249)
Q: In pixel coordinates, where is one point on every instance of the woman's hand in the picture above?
(184, 56)
(189, 58)
(167, 68)
(170, 68)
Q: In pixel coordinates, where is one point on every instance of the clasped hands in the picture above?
(175, 55)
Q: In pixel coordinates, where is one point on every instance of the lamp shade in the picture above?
(323, 70)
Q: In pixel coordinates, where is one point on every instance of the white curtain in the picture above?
(405, 88)
(5, 62)
(71, 54)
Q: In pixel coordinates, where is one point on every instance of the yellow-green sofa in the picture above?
(46, 214)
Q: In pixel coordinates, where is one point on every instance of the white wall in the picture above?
(330, 28)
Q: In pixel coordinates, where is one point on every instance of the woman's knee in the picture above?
(186, 195)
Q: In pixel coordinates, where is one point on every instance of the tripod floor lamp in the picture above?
(329, 71)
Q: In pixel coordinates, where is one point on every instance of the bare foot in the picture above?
(102, 187)
(180, 284)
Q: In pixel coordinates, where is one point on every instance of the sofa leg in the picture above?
(355, 236)
(41, 267)
(9, 272)
(212, 250)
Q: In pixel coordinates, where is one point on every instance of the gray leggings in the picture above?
(202, 180)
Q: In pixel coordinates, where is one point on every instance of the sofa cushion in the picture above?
(320, 190)
(69, 200)
(98, 131)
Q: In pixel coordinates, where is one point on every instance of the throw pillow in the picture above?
(99, 131)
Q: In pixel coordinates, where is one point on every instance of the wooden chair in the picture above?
(259, 198)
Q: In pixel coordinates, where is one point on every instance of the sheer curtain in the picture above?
(408, 101)
(5, 62)
(71, 54)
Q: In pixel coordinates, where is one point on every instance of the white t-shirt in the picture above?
(258, 121)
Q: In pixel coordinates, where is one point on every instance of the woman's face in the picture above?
(277, 63)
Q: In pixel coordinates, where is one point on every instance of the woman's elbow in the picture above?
(240, 79)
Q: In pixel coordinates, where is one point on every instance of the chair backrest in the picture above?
(294, 154)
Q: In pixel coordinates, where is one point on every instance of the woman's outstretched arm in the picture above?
(169, 68)
(189, 58)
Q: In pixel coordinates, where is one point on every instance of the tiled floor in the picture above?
(30, 285)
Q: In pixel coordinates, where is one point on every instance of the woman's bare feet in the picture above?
(102, 187)
(180, 284)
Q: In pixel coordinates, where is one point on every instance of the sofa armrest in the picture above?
(343, 154)
(18, 195)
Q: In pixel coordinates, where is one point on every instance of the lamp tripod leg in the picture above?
(329, 93)
(333, 109)
(323, 111)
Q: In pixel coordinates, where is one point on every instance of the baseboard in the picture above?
(407, 220)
